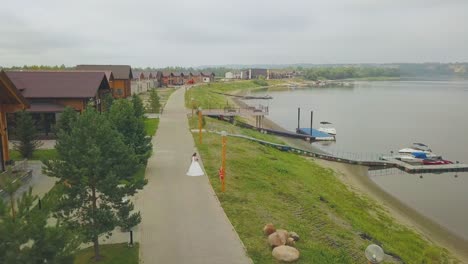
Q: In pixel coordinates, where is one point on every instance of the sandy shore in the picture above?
(356, 178)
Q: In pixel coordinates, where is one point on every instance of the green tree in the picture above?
(10, 185)
(27, 238)
(97, 166)
(154, 103)
(66, 120)
(26, 135)
(123, 118)
(138, 106)
(107, 101)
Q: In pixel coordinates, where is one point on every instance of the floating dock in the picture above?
(318, 135)
(425, 168)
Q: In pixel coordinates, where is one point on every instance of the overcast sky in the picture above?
(212, 32)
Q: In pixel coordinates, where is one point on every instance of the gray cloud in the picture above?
(186, 32)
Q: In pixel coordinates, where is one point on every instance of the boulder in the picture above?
(269, 229)
(285, 253)
(283, 235)
(290, 242)
(275, 240)
(294, 235)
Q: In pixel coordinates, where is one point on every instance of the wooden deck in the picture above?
(426, 168)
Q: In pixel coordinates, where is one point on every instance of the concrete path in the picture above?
(182, 220)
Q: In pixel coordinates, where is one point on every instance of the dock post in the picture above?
(298, 118)
(311, 120)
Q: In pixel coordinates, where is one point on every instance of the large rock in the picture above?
(269, 229)
(285, 253)
(294, 235)
(283, 235)
(275, 240)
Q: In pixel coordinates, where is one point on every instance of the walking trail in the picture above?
(182, 220)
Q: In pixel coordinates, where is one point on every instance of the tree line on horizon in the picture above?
(332, 71)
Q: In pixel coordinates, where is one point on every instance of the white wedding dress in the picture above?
(195, 169)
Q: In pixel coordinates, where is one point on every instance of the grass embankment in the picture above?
(38, 154)
(112, 254)
(335, 223)
(151, 125)
(204, 97)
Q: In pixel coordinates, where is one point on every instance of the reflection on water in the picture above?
(374, 118)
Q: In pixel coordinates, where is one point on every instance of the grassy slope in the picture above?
(113, 254)
(151, 125)
(206, 99)
(265, 185)
(39, 154)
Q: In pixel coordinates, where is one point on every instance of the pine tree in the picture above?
(27, 238)
(65, 122)
(26, 135)
(123, 119)
(154, 103)
(138, 106)
(97, 166)
(107, 101)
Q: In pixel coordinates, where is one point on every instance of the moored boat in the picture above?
(326, 129)
(436, 162)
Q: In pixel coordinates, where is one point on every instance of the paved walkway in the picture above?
(182, 221)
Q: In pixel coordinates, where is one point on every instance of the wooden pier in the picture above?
(384, 163)
(409, 168)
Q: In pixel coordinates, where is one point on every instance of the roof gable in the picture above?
(66, 84)
(121, 72)
(9, 94)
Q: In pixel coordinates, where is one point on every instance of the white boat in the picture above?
(410, 151)
(421, 146)
(325, 129)
(410, 159)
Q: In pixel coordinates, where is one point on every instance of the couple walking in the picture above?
(195, 168)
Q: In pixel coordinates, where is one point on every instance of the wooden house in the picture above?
(11, 101)
(49, 92)
(207, 77)
(121, 86)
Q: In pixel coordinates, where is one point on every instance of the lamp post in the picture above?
(200, 123)
(223, 160)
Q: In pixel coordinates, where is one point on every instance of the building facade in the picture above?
(48, 93)
(11, 101)
(121, 87)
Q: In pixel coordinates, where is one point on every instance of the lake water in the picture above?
(372, 118)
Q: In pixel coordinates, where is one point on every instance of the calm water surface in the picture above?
(372, 118)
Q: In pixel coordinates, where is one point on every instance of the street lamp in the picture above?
(200, 123)
(223, 160)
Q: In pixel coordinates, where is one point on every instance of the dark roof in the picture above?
(9, 94)
(166, 73)
(121, 72)
(137, 74)
(109, 74)
(206, 73)
(55, 84)
(176, 74)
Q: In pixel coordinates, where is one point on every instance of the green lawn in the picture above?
(266, 185)
(151, 125)
(112, 254)
(203, 95)
(39, 154)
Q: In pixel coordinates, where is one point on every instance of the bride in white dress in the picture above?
(195, 168)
